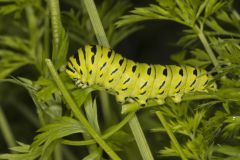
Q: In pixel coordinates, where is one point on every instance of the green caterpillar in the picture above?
(129, 81)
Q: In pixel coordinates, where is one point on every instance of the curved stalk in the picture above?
(6, 131)
(104, 136)
(102, 40)
(56, 25)
(78, 114)
(140, 139)
(206, 45)
(96, 23)
(171, 135)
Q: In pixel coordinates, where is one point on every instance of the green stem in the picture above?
(199, 97)
(206, 45)
(6, 131)
(78, 114)
(91, 147)
(96, 23)
(38, 106)
(140, 138)
(132, 107)
(32, 26)
(56, 24)
(58, 152)
(104, 136)
(88, 104)
(102, 40)
(171, 135)
(46, 43)
(109, 119)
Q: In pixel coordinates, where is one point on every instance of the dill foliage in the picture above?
(203, 126)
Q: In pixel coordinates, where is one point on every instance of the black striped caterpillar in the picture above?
(129, 81)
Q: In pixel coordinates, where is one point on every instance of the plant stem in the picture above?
(78, 114)
(109, 119)
(102, 40)
(96, 23)
(171, 135)
(32, 26)
(56, 25)
(200, 97)
(140, 139)
(104, 136)
(6, 131)
(46, 43)
(206, 45)
(88, 104)
(58, 152)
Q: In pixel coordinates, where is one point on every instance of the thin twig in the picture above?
(140, 139)
(102, 40)
(206, 45)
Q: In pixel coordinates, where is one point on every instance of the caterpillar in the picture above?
(130, 81)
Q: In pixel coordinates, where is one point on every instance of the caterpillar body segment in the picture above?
(134, 82)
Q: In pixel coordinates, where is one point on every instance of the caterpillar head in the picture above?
(74, 75)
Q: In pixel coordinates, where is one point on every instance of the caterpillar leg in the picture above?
(129, 107)
(160, 101)
(142, 103)
(177, 98)
(123, 99)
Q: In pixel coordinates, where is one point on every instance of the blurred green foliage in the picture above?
(206, 126)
